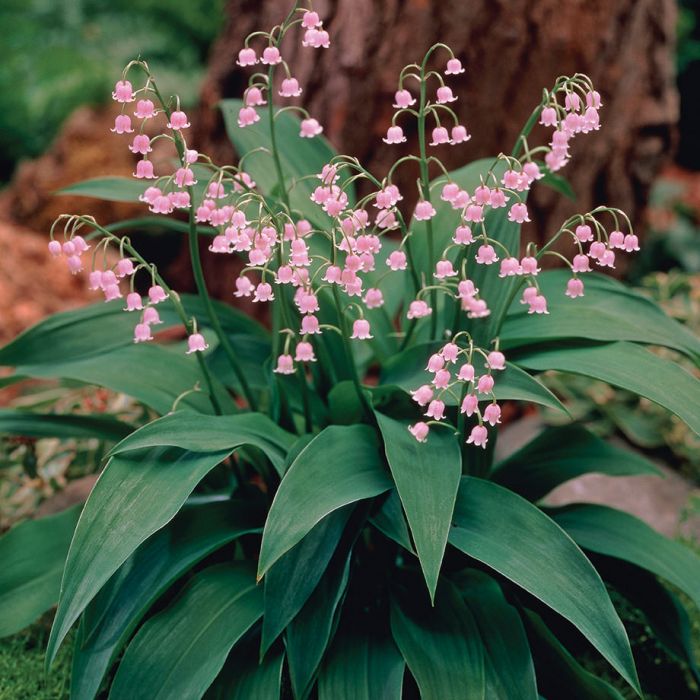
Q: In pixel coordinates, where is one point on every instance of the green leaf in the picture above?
(179, 652)
(427, 478)
(630, 367)
(557, 668)
(339, 466)
(608, 311)
(199, 433)
(116, 610)
(33, 554)
(39, 425)
(390, 520)
(294, 576)
(310, 632)
(407, 371)
(441, 644)
(558, 184)
(299, 157)
(111, 189)
(137, 494)
(510, 674)
(361, 665)
(509, 534)
(559, 454)
(617, 534)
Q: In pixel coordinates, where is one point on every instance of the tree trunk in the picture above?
(511, 50)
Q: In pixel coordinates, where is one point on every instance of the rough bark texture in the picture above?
(511, 49)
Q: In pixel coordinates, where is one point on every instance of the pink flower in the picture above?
(529, 265)
(459, 134)
(435, 362)
(145, 109)
(596, 250)
(263, 292)
(510, 267)
(444, 95)
(532, 170)
(529, 293)
(449, 191)
(123, 92)
(607, 259)
(316, 38)
(133, 302)
(157, 294)
(310, 325)
(518, 213)
(593, 99)
(463, 235)
(305, 352)
(482, 195)
(361, 330)
(631, 243)
(161, 205)
(474, 213)
(419, 431)
(548, 117)
(394, 134)
(95, 280)
(436, 409)
(466, 372)
(403, 99)
(486, 255)
(450, 351)
(308, 303)
(144, 169)
(125, 267)
(440, 135)
(150, 195)
(69, 248)
(418, 309)
(247, 116)
(466, 289)
(584, 233)
(253, 97)
(581, 263)
(122, 124)
(80, 245)
(485, 384)
(333, 274)
(441, 379)
(422, 395)
(247, 57)
(271, 56)
(310, 128)
(496, 360)
(180, 200)
(469, 404)
(142, 333)
(55, 248)
(574, 288)
(397, 260)
(151, 316)
(244, 287)
(443, 269)
(538, 305)
(310, 20)
(479, 436)
(374, 298)
(290, 88)
(617, 239)
(285, 365)
(75, 264)
(178, 120)
(492, 414)
(454, 67)
(141, 144)
(196, 343)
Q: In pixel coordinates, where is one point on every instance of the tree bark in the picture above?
(511, 49)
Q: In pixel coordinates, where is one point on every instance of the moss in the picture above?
(22, 675)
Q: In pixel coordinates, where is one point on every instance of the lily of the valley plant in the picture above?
(318, 511)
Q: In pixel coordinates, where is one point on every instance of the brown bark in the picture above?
(511, 49)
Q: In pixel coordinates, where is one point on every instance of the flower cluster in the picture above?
(347, 254)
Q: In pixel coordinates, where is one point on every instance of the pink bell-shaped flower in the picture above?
(196, 343)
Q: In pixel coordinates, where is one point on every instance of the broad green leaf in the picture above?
(441, 644)
(39, 425)
(407, 370)
(339, 466)
(390, 520)
(299, 157)
(137, 494)
(559, 454)
(199, 433)
(361, 665)
(607, 311)
(509, 534)
(33, 554)
(120, 605)
(630, 367)
(510, 674)
(556, 668)
(111, 189)
(245, 677)
(180, 651)
(427, 478)
(617, 534)
(310, 632)
(294, 576)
